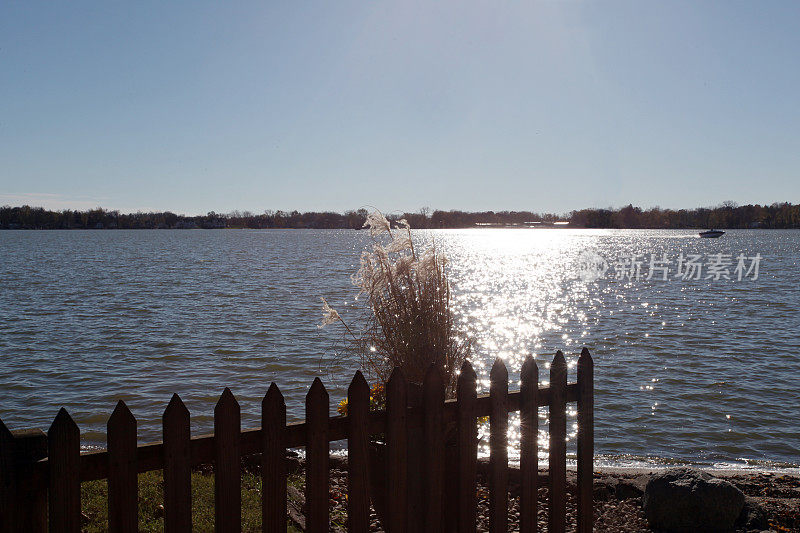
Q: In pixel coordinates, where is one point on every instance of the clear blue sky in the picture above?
(546, 106)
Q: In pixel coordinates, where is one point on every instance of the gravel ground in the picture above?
(618, 502)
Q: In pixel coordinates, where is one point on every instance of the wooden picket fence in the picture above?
(42, 474)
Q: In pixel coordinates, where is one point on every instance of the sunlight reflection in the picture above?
(517, 295)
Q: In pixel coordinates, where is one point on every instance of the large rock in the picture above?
(753, 516)
(683, 500)
(626, 489)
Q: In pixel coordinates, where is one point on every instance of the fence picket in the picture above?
(467, 450)
(8, 481)
(357, 455)
(498, 448)
(529, 449)
(558, 445)
(30, 496)
(317, 458)
(397, 442)
(123, 487)
(64, 454)
(433, 448)
(227, 464)
(177, 467)
(273, 461)
(585, 441)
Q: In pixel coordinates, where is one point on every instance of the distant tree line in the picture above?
(727, 215)
(27, 217)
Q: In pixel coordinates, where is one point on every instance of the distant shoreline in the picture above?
(727, 216)
(699, 228)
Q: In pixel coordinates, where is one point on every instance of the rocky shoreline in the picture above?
(771, 500)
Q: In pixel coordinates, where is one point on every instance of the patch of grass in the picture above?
(94, 502)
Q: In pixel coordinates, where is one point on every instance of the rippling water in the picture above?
(696, 371)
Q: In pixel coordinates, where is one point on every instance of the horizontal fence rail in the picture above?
(426, 489)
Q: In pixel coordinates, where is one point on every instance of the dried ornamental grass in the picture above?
(410, 323)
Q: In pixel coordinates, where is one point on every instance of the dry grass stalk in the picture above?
(410, 324)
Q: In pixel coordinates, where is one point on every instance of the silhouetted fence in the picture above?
(42, 474)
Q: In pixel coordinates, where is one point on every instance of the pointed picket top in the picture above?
(121, 429)
(121, 424)
(433, 377)
(176, 409)
(63, 423)
(433, 390)
(121, 416)
(273, 397)
(317, 390)
(358, 384)
(499, 372)
(530, 370)
(467, 381)
(5, 433)
(585, 360)
(397, 380)
(397, 393)
(559, 364)
(226, 401)
(467, 373)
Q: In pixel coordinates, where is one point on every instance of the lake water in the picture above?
(691, 371)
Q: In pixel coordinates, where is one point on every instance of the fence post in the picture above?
(227, 464)
(357, 455)
(177, 472)
(317, 458)
(433, 448)
(558, 445)
(397, 442)
(64, 454)
(585, 441)
(529, 449)
(273, 461)
(467, 450)
(498, 448)
(123, 487)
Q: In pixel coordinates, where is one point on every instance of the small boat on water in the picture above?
(711, 234)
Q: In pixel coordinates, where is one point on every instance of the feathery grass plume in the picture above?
(377, 224)
(329, 314)
(410, 323)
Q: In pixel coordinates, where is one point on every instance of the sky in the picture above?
(512, 105)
